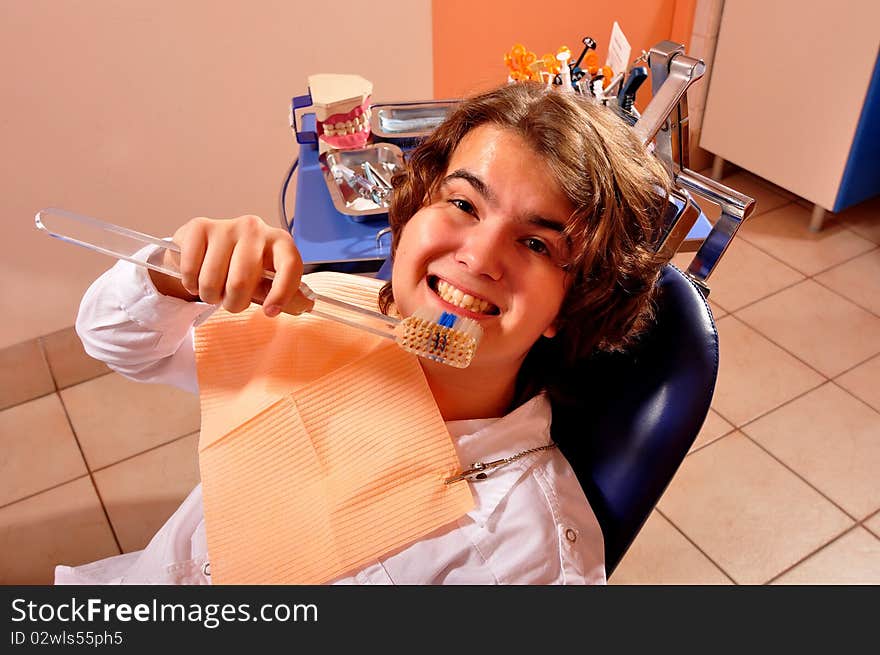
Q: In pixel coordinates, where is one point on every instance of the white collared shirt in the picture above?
(531, 523)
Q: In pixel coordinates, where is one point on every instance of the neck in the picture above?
(470, 393)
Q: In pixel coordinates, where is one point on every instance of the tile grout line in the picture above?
(83, 455)
(29, 400)
(850, 393)
(144, 452)
(856, 522)
(56, 389)
(800, 395)
(808, 365)
(814, 552)
(786, 402)
(856, 365)
(730, 312)
(801, 477)
(825, 286)
(819, 272)
(741, 428)
(42, 491)
(98, 470)
(807, 276)
(45, 355)
(695, 545)
(738, 426)
(709, 443)
(794, 284)
(89, 471)
(797, 357)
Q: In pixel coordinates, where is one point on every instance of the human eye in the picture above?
(462, 204)
(550, 250)
(536, 245)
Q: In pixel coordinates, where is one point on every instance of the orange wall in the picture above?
(471, 37)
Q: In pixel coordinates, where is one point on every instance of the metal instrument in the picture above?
(665, 121)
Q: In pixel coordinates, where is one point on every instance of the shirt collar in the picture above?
(484, 440)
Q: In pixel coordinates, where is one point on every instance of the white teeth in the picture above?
(461, 299)
(359, 123)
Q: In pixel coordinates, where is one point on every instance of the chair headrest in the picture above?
(640, 412)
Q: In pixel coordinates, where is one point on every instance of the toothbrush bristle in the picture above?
(440, 336)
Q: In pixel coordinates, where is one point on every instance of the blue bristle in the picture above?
(447, 319)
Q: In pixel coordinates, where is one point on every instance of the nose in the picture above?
(482, 250)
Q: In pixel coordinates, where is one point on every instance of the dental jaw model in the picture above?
(342, 110)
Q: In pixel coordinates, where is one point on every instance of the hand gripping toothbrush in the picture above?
(438, 336)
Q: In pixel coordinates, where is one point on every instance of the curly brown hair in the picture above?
(617, 189)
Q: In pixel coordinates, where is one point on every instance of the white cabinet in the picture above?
(795, 97)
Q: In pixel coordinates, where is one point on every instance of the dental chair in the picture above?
(639, 412)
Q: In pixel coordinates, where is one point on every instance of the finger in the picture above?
(284, 294)
(298, 305)
(193, 241)
(215, 267)
(245, 273)
(171, 260)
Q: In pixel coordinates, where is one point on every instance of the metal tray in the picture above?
(409, 119)
(386, 159)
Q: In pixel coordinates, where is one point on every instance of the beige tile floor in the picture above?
(781, 486)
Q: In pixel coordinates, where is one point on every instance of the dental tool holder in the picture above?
(665, 121)
(359, 179)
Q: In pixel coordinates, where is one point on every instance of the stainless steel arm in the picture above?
(665, 121)
(666, 117)
(735, 208)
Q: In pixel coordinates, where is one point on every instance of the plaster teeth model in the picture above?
(342, 109)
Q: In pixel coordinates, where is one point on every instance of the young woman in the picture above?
(530, 211)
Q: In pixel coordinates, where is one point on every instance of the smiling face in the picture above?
(489, 246)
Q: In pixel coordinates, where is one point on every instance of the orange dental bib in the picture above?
(321, 446)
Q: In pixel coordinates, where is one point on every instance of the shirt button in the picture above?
(206, 569)
(571, 535)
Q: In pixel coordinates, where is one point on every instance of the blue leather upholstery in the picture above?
(384, 272)
(641, 412)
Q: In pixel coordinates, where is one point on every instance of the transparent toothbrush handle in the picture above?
(130, 245)
(106, 238)
(109, 239)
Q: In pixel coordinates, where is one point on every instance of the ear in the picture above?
(551, 331)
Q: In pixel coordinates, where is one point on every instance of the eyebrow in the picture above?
(483, 189)
(479, 186)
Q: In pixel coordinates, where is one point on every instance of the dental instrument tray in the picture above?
(408, 120)
(359, 179)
